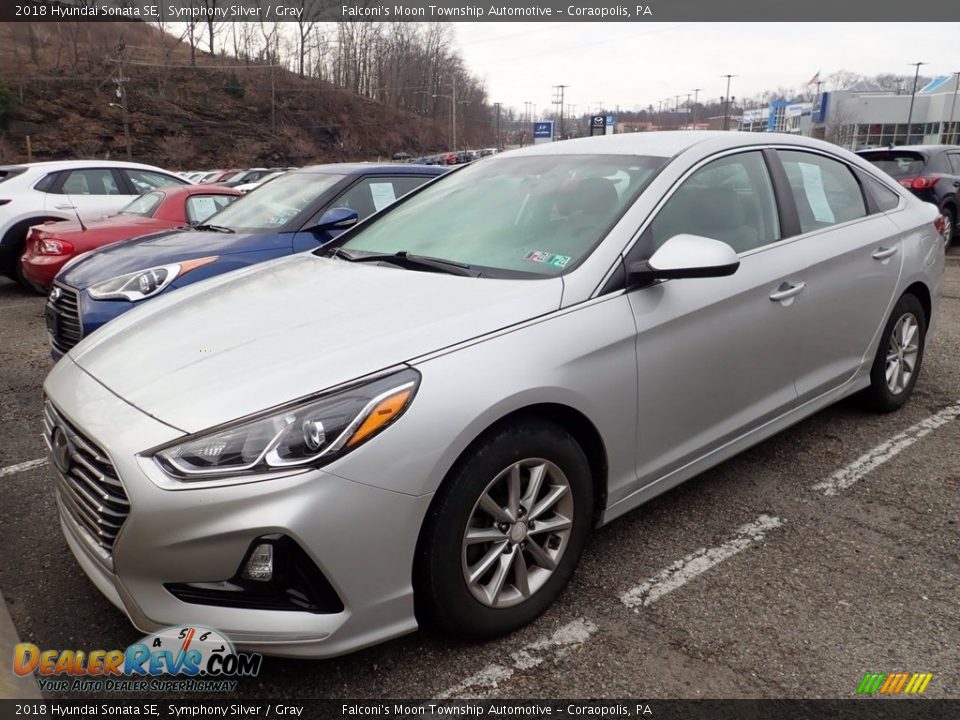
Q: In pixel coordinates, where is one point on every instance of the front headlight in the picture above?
(144, 283)
(309, 432)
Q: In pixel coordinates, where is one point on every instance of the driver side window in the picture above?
(730, 199)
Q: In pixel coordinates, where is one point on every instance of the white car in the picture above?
(33, 193)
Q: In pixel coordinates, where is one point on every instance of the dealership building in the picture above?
(866, 115)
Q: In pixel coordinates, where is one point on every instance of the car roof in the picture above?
(69, 164)
(372, 169)
(665, 143)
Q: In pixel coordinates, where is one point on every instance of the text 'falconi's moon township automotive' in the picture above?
(422, 421)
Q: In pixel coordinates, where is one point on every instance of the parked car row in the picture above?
(455, 157)
(81, 190)
(295, 212)
(233, 177)
(420, 418)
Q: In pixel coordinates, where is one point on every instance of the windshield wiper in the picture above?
(214, 228)
(410, 261)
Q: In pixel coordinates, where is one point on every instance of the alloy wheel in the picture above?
(517, 533)
(902, 352)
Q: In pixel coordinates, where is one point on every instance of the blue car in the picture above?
(292, 213)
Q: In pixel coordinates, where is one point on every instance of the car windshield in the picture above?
(897, 163)
(145, 205)
(510, 216)
(276, 203)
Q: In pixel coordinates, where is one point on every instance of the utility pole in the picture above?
(497, 105)
(953, 106)
(696, 93)
(121, 82)
(913, 94)
(659, 114)
(726, 103)
(558, 100)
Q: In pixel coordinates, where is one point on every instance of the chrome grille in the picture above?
(90, 490)
(65, 307)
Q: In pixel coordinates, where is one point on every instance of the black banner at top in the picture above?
(294, 11)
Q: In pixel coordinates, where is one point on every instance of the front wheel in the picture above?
(505, 532)
(899, 356)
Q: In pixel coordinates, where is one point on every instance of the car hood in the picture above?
(162, 248)
(258, 337)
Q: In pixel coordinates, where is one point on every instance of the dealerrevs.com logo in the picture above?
(191, 659)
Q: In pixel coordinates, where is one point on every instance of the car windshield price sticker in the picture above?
(382, 194)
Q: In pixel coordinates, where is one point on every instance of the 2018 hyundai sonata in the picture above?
(424, 419)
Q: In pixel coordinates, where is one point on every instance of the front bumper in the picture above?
(361, 538)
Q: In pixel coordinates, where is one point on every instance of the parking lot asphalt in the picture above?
(826, 552)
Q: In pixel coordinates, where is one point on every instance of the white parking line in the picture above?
(553, 647)
(20, 467)
(697, 563)
(871, 460)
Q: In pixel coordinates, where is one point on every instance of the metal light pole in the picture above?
(953, 106)
(913, 94)
(696, 93)
(726, 103)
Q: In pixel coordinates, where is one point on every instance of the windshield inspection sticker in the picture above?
(542, 256)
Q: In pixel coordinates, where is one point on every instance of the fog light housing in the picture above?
(274, 574)
(260, 564)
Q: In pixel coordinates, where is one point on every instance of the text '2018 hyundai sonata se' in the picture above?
(424, 420)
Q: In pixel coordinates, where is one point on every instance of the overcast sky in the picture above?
(635, 64)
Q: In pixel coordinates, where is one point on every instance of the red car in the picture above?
(51, 245)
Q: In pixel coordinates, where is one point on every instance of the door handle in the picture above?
(883, 253)
(787, 291)
(65, 207)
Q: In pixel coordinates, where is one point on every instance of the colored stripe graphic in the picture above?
(894, 683)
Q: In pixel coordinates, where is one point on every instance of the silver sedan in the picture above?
(422, 422)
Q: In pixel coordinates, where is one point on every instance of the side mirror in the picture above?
(338, 218)
(685, 256)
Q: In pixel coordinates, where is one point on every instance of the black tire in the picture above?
(879, 396)
(443, 598)
(951, 216)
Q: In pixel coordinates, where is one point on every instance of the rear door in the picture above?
(90, 193)
(850, 254)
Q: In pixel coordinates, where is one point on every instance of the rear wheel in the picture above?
(899, 356)
(505, 532)
(949, 224)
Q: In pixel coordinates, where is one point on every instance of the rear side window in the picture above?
(885, 198)
(90, 182)
(46, 182)
(10, 172)
(825, 190)
(898, 163)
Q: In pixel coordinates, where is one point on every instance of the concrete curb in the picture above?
(12, 686)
